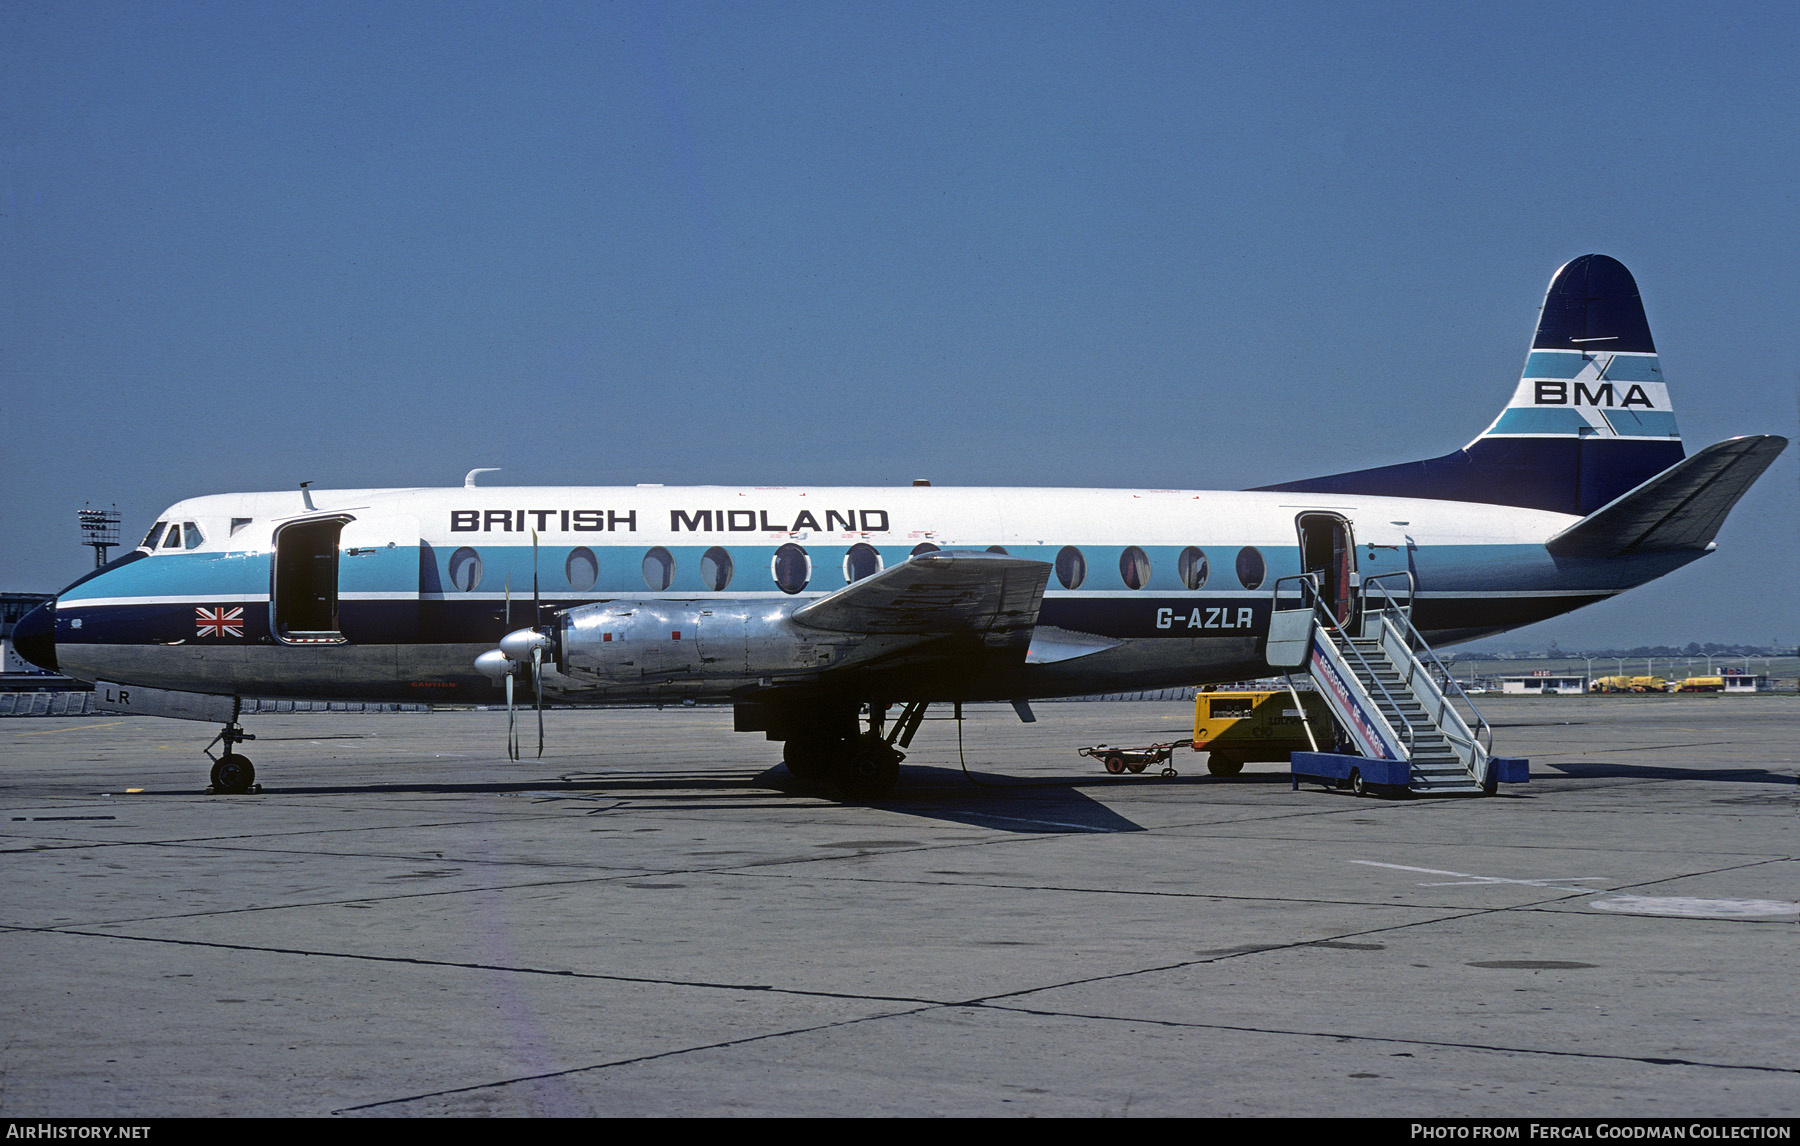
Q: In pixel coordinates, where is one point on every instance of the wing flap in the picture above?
(1680, 508)
(991, 595)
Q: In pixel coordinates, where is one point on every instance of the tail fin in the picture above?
(1589, 421)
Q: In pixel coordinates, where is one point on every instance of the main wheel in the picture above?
(233, 774)
(809, 758)
(871, 769)
(1223, 764)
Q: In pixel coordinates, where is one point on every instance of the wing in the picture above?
(949, 593)
(1680, 508)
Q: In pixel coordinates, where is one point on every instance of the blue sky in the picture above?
(1199, 245)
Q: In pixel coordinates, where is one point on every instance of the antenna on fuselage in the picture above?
(306, 495)
(469, 478)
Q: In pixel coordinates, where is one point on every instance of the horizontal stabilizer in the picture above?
(1680, 508)
(940, 594)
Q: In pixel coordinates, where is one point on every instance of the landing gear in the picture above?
(861, 765)
(871, 768)
(809, 758)
(232, 774)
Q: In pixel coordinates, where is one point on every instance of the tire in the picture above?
(870, 770)
(1356, 782)
(1115, 763)
(809, 759)
(233, 774)
(1223, 764)
(1138, 766)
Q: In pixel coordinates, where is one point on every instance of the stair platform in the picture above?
(1392, 777)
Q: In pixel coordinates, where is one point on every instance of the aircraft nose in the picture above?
(34, 637)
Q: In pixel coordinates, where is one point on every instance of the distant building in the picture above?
(1544, 684)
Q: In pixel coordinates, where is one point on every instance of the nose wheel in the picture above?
(232, 774)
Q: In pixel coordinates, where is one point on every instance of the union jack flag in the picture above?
(220, 622)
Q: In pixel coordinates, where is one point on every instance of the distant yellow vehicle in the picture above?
(1700, 684)
(1630, 684)
(1236, 727)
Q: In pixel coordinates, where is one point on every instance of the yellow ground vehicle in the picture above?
(1700, 684)
(1629, 684)
(1236, 727)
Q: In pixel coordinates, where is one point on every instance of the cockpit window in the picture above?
(173, 541)
(192, 534)
(155, 535)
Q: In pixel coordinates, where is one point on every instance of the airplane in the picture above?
(805, 608)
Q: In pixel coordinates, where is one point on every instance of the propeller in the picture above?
(517, 647)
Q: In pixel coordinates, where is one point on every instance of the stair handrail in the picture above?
(1321, 615)
(1417, 643)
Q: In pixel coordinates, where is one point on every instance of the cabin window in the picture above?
(582, 569)
(791, 568)
(1250, 567)
(191, 536)
(923, 548)
(1192, 567)
(465, 569)
(659, 569)
(173, 540)
(1134, 567)
(155, 535)
(1071, 567)
(238, 523)
(715, 569)
(862, 561)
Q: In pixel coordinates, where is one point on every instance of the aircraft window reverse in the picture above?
(659, 568)
(1192, 567)
(862, 561)
(715, 569)
(582, 569)
(1250, 567)
(173, 541)
(1134, 567)
(1071, 567)
(1000, 549)
(194, 537)
(155, 535)
(923, 548)
(792, 568)
(465, 569)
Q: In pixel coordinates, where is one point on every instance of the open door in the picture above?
(343, 579)
(303, 589)
(1328, 550)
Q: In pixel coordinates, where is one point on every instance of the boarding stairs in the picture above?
(1375, 672)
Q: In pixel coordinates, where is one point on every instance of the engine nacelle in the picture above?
(635, 641)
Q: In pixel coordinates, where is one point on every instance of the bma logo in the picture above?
(1551, 393)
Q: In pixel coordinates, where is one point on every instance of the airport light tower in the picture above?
(99, 528)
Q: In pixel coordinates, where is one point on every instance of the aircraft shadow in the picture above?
(977, 800)
(1033, 807)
